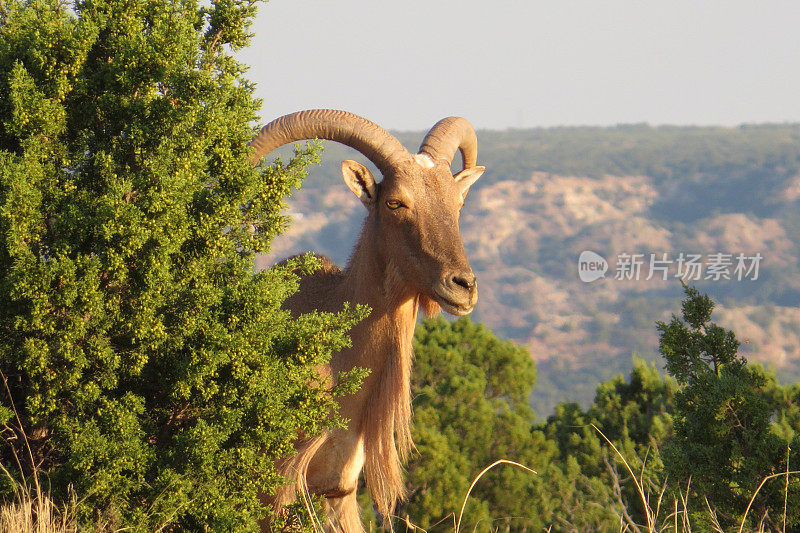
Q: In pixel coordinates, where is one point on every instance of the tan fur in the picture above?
(409, 257)
(429, 307)
(381, 412)
(387, 419)
(343, 514)
(378, 437)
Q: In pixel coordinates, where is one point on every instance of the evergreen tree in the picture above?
(632, 414)
(471, 408)
(732, 424)
(721, 423)
(151, 369)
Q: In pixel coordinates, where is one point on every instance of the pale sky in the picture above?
(512, 63)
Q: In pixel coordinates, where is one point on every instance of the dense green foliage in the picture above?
(733, 424)
(470, 401)
(712, 431)
(633, 414)
(470, 409)
(151, 369)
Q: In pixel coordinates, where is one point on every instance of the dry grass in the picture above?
(34, 514)
(410, 526)
(31, 511)
(474, 481)
(660, 516)
(678, 520)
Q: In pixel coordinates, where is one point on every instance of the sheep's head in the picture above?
(414, 211)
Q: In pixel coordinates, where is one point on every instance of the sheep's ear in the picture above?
(467, 177)
(359, 179)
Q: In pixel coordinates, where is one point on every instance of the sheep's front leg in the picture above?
(335, 468)
(334, 473)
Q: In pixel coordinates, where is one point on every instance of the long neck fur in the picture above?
(384, 344)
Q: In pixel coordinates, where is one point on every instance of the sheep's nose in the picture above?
(465, 280)
(457, 292)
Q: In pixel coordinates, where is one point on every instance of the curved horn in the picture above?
(447, 136)
(377, 144)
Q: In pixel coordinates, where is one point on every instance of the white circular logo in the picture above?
(591, 266)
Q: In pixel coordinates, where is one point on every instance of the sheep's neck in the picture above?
(389, 328)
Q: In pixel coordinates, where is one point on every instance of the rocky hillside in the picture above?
(550, 195)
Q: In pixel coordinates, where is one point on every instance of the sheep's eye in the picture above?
(394, 204)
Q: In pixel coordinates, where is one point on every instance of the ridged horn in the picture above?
(447, 136)
(377, 144)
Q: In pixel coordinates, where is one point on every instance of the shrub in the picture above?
(152, 369)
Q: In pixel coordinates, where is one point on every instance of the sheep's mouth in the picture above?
(456, 308)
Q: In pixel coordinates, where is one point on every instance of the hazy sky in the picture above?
(504, 63)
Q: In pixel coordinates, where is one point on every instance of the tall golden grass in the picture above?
(34, 513)
(658, 520)
(678, 521)
(31, 511)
